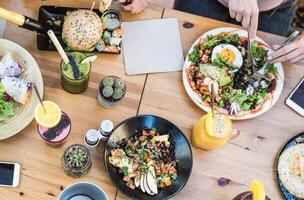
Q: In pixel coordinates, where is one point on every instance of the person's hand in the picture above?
(136, 6)
(293, 52)
(247, 12)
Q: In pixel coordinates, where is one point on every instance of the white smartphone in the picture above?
(9, 174)
(296, 99)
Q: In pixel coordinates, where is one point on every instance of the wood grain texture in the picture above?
(247, 157)
(42, 177)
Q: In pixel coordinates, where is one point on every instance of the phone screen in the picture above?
(298, 95)
(6, 173)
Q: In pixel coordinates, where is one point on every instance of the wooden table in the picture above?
(248, 157)
(42, 177)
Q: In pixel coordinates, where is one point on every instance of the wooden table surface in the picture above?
(42, 176)
(248, 157)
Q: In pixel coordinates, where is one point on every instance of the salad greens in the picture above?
(233, 92)
(147, 156)
(6, 108)
(259, 54)
(212, 40)
(194, 55)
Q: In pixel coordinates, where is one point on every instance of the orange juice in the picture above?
(211, 131)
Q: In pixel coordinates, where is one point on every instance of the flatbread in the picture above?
(82, 29)
(290, 170)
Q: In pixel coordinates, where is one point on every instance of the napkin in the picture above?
(2, 27)
(152, 46)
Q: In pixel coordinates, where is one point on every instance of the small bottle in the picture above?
(92, 138)
(106, 128)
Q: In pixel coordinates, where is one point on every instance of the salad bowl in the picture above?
(264, 104)
(183, 155)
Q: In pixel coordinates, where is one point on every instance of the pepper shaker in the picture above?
(106, 128)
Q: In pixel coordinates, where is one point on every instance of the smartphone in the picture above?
(9, 174)
(296, 98)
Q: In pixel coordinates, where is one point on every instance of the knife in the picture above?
(21, 20)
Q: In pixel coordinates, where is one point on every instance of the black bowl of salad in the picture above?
(148, 157)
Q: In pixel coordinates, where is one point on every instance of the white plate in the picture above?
(245, 115)
(25, 114)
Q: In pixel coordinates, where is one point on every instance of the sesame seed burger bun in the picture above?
(82, 29)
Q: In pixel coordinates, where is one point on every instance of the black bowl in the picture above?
(183, 154)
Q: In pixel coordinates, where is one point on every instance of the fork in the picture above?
(250, 60)
(258, 75)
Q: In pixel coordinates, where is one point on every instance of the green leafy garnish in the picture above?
(6, 108)
(259, 54)
(194, 55)
(223, 62)
(143, 155)
(174, 176)
(210, 41)
(125, 170)
(272, 69)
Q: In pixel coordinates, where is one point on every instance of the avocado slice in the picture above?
(215, 73)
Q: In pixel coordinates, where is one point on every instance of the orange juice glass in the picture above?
(212, 131)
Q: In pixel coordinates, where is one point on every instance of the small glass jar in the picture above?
(57, 135)
(76, 160)
(75, 86)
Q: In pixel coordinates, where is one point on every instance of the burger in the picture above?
(82, 29)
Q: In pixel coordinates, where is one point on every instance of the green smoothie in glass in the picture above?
(68, 81)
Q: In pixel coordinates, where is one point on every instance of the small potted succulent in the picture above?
(76, 160)
(111, 90)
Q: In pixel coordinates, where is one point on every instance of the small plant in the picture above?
(111, 90)
(118, 83)
(76, 160)
(118, 93)
(108, 81)
(107, 91)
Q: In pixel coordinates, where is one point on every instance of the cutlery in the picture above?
(258, 75)
(250, 60)
(212, 99)
(21, 20)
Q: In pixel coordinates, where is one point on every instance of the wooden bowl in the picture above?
(24, 114)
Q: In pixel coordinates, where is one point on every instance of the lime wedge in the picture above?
(87, 59)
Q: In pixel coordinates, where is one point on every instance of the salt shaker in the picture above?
(92, 138)
(106, 128)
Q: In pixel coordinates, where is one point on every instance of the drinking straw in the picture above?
(39, 97)
(58, 47)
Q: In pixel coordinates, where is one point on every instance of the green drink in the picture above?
(68, 81)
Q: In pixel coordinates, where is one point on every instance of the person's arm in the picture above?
(246, 12)
(293, 52)
(137, 6)
(264, 5)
